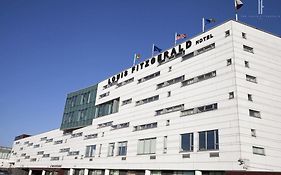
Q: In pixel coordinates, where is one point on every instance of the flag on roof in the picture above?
(180, 36)
(156, 49)
(238, 4)
(210, 20)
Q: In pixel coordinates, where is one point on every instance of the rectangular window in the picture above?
(170, 82)
(73, 153)
(55, 158)
(254, 113)
(208, 140)
(228, 62)
(46, 155)
(33, 160)
(90, 151)
(76, 135)
(244, 35)
(107, 108)
(169, 109)
(91, 136)
(250, 97)
(200, 109)
(147, 146)
(49, 140)
(247, 64)
(40, 152)
(58, 142)
(120, 126)
(187, 142)
(102, 125)
(227, 33)
(187, 56)
(149, 77)
(128, 101)
(145, 126)
(253, 133)
(147, 100)
(258, 150)
(251, 78)
(125, 82)
(43, 138)
(36, 146)
(248, 49)
(110, 152)
(165, 140)
(231, 95)
(122, 148)
(63, 150)
(109, 85)
(199, 78)
(204, 49)
(104, 95)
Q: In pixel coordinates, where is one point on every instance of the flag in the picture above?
(238, 4)
(210, 20)
(180, 36)
(156, 49)
(137, 56)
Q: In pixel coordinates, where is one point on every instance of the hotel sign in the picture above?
(159, 58)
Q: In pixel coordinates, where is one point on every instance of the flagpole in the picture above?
(203, 25)
(176, 38)
(134, 59)
(236, 11)
(152, 52)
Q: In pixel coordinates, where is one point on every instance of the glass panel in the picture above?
(210, 140)
(202, 141)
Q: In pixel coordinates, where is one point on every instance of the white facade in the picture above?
(239, 84)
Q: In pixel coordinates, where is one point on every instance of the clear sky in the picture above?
(49, 48)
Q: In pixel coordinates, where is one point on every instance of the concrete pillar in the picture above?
(86, 171)
(197, 172)
(30, 172)
(71, 171)
(147, 172)
(43, 172)
(106, 172)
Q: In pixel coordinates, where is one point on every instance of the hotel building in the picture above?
(208, 106)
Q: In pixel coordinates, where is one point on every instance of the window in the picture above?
(25, 143)
(43, 138)
(55, 158)
(208, 140)
(149, 77)
(169, 109)
(165, 144)
(40, 152)
(109, 85)
(228, 62)
(30, 144)
(100, 150)
(258, 150)
(120, 126)
(147, 100)
(200, 109)
(172, 57)
(33, 160)
(145, 126)
(128, 101)
(253, 133)
(49, 140)
(199, 78)
(73, 153)
(104, 94)
(110, 149)
(17, 142)
(46, 155)
(122, 148)
(91, 136)
(58, 142)
(244, 35)
(77, 135)
(90, 151)
(231, 95)
(247, 64)
(204, 49)
(248, 49)
(36, 146)
(147, 146)
(170, 82)
(251, 78)
(167, 122)
(63, 150)
(187, 142)
(107, 108)
(254, 113)
(102, 125)
(227, 33)
(250, 97)
(125, 82)
(187, 56)
(169, 94)
(23, 155)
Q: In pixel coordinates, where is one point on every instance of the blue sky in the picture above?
(49, 48)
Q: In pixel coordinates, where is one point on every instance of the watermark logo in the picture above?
(260, 7)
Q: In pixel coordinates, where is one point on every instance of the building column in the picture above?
(86, 171)
(106, 172)
(197, 172)
(71, 171)
(43, 172)
(30, 172)
(147, 172)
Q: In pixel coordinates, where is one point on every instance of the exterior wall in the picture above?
(231, 118)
